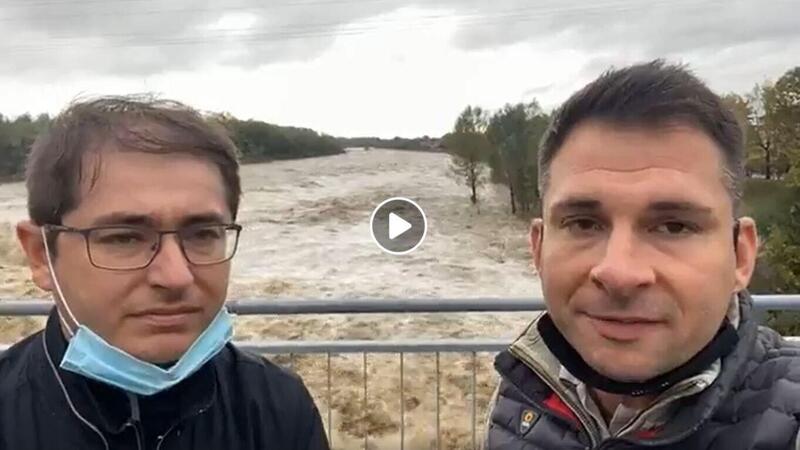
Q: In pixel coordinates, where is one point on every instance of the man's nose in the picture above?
(623, 270)
(169, 268)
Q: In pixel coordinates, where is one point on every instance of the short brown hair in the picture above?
(56, 163)
(650, 94)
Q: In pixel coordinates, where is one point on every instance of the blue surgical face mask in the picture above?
(91, 356)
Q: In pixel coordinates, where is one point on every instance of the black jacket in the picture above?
(236, 401)
(754, 404)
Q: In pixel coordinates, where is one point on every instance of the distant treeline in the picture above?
(258, 141)
(424, 143)
(16, 137)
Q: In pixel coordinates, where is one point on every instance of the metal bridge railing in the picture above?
(401, 348)
(9, 307)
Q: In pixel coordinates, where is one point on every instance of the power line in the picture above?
(25, 4)
(188, 11)
(195, 10)
(332, 29)
(294, 26)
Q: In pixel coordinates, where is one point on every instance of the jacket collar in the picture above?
(110, 409)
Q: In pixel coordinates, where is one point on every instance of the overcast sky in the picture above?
(373, 67)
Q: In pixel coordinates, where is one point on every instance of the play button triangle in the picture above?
(397, 225)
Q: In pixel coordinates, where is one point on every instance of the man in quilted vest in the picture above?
(649, 339)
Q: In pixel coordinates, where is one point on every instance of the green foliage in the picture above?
(776, 208)
(782, 254)
(767, 201)
(785, 111)
(756, 155)
(424, 143)
(16, 138)
(260, 141)
(514, 132)
(783, 250)
(508, 142)
(469, 149)
(257, 141)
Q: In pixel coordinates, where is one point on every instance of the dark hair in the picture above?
(649, 94)
(57, 161)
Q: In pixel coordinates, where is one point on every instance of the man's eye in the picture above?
(582, 225)
(675, 228)
(204, 234)
(120, 238)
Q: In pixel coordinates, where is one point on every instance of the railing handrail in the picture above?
(381, 306)
(345, 346)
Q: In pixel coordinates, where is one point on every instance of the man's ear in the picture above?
(746, 246)
(535, 241)
(30, 238)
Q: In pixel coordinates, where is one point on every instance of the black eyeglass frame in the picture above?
(85, 232)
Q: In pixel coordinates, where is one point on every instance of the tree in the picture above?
(763, 136)
(783, 112)
(16, 137)
(774, 115)
(514, 132)
(740, 107)
(469, 148)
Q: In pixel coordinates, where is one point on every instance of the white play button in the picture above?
(397, 225)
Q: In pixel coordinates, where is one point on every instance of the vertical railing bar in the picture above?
(291, 361)
(474, 403)
(330, 404)
(402, 405)
(438, 434)
(364, 419)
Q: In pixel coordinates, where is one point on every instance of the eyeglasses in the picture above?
(123, 247)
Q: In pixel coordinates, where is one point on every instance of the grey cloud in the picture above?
(746, 37)
(143, 37)
(652, 26)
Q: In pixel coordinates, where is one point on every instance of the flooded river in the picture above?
(307, 235)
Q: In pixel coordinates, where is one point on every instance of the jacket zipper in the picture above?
(163, 437)
(633, 423)
(136, 419)
(136, 432)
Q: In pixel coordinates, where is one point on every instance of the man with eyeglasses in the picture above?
(132, 205)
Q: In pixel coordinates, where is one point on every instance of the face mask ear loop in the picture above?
(58, 290)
